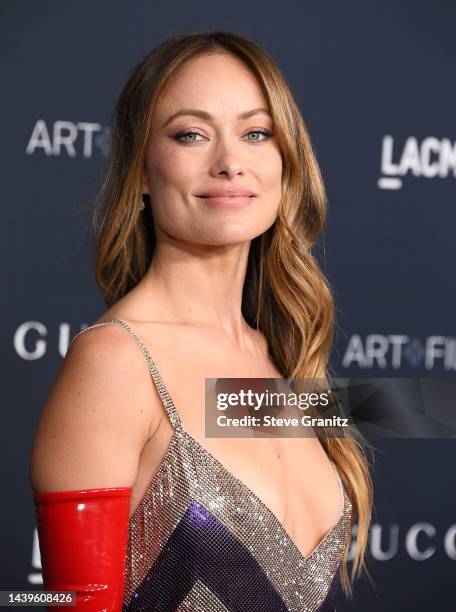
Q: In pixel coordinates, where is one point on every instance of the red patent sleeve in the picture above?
(83, 539)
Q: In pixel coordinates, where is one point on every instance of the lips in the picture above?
(226, 193)
(227, 198)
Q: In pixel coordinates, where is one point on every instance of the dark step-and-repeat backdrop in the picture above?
(375, 83)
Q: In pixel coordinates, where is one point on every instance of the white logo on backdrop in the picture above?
(68, 138)
(397, 350)
(31, 342)
(36, 577)
(431, 158)
(419, 541)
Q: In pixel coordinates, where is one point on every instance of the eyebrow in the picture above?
(208, 117)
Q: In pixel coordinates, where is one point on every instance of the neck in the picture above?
(198, 285)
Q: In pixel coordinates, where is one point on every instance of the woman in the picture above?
(212, 201)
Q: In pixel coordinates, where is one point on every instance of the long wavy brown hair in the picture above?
(286, 294)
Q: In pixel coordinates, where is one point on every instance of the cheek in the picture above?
(273, 178)
(168, 177)
(271, 166)
(166, 164)
(273, 192)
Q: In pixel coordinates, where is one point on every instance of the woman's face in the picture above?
(212, 147)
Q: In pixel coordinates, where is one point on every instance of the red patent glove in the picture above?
(83, 539)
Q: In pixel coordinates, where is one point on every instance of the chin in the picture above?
(233, 234)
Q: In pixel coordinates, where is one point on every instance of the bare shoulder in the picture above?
(98, 415)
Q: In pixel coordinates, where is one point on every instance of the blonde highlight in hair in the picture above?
(285, 295)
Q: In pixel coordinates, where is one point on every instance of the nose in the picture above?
(227, 159)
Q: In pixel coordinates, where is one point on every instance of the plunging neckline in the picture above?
(180, 431)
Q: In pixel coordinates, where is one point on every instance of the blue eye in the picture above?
(264, 132)
(183, 135)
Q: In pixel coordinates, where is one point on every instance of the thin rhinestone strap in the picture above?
(161, 387)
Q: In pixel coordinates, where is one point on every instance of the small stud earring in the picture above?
(141, 205)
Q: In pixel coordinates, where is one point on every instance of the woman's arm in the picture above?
(85, 460)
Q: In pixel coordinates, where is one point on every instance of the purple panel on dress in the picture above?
(201, 548)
